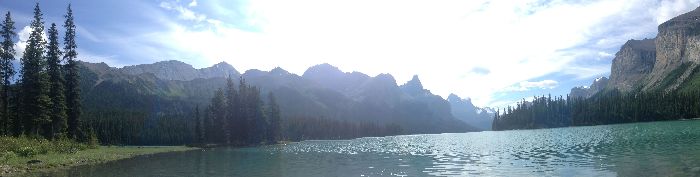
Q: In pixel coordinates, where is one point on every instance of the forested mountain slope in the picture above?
(154, 94)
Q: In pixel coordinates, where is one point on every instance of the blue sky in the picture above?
(495, 52)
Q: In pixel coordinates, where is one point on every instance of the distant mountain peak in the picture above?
(222, 64)
(454, 97)
(415, 82)
(279, 71)
(164, 63)
(413, 86)
(464, 109)
(178, 70)
(386, 77)
(322, 69)
(587, 91)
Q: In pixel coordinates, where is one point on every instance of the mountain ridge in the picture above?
(177, 70)
(350, 96)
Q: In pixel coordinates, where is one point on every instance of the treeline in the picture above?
(45, 100)
(121, 127)
(606, 107)
(247, 120)
(238, 117)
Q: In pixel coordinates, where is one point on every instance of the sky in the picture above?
(495, 52)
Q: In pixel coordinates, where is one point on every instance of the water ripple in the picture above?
(642, 149)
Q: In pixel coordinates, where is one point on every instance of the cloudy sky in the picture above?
(495, 52)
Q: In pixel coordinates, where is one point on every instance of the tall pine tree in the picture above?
(34, 82)
(7, 71)
(243, 126)
(56, 89)
(231, 108)
(273, 115)
(198, 128)
(72, 77)
(218, 112)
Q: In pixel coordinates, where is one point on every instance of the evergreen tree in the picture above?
(231, 111)
(34, 82)
(72, 77)
(273, 114)
(208, 125)
(218, 110)
(242, 113)
(257, 117)
(57, 90)
(198, 128)
(7, 71)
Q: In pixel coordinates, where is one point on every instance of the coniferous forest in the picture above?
(45, 99)
(606, 107)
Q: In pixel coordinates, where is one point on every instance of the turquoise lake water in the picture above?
(640, 149)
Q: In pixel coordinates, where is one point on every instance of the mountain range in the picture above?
(323, 91)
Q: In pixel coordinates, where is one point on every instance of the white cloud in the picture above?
(670, 9)
(193, 3)
(527, 85)
(184, 13)
(22, 41)
(579, 72)
(23, 36)
(605, 54)
(514, 40)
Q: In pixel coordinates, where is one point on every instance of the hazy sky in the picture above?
(496, 52)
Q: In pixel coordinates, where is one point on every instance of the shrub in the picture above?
(27, 151)
(6, 156)
(67, 146)
(28, 147)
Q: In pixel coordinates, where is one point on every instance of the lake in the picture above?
(640, 149)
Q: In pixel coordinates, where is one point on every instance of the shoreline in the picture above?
(103, 154)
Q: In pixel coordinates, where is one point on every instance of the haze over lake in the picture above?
(317, 88)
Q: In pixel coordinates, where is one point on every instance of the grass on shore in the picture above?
(20, 155)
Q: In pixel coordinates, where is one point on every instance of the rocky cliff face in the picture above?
(598, 85)
(632, 64)
(660, 64)
(177, 70)
(677, 43)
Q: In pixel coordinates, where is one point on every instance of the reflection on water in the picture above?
(643, 149)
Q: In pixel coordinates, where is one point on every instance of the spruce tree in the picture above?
(7, 71)
(208, 125)
(242, 113)
(56, 89)
(273, 115)
(34, 82)
(198, 128)
(218, 109)
(72, 77)
(231, 111)
(257, 116)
